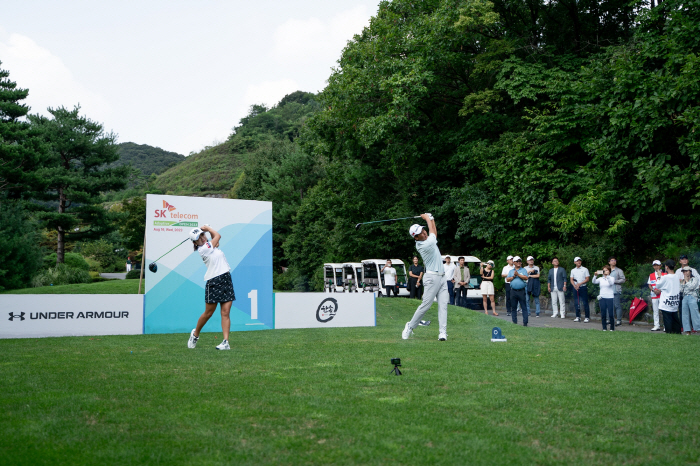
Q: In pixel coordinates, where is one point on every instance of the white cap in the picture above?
(517, 258)
(415, 229)
(577, 258)
(490, 263)
(530, 258)
(509, 258)
(657, 262)
(195, 234)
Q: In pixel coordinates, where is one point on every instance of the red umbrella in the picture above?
(637, 307)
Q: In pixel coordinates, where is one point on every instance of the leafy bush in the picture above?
(103, 252)
(133, 274)
(61, 274)
(94, 265)
(71, 259)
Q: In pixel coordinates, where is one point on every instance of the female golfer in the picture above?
(487, 289)
(219, 287)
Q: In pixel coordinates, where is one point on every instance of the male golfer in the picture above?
(434, 283)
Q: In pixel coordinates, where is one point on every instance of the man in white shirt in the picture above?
(504, 273)
(579, 279)
(668, 289)
(390, 279)
(449, 272)
(556, 284)
(619, 277)
(434, 283)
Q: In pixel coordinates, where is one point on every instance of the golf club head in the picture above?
(153, 267)
(357, 227)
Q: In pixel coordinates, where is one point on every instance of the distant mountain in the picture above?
(215, 170)
(148, 159)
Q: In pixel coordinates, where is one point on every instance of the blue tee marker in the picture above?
(497, 335)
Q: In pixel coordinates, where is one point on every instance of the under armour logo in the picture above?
(14, 316)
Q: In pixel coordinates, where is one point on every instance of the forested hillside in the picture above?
(215, 170)
(147, 159)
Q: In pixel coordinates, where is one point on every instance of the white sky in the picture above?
(173, 74)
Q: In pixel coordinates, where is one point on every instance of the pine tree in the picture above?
(75, 174)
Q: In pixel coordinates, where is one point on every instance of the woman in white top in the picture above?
(219, 287)
(487, 289)
(606, 297)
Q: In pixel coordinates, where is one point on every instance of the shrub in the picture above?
(94, 265)
(133, 274)
(61, 274)
(70, 259)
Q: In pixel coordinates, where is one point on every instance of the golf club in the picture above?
(357, 227)
(153, 267)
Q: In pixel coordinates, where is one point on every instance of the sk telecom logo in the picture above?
(168, 206)
(13, 316)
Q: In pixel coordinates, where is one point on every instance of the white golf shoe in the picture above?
(192, 343)
(406, 331)
(223, 346)
(442, 337)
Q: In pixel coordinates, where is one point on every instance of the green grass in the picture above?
(322, 396)
(103, 287)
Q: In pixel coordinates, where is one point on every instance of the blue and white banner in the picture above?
(175, 293)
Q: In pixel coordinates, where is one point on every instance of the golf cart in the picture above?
(474, 297)
(401, 276)
(333, 278)
(352, 276)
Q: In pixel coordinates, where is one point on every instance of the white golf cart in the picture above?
(333, 278)
(401, 276)
(474, 296)
(352, 276)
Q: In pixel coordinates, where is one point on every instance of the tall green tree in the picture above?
(20, 150)
(134, 225)
(75, 174)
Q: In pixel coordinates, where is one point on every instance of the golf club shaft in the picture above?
(170, 250)
(390, 220)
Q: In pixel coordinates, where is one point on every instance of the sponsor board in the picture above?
(47, 315)
(323, 310)
(175, 292)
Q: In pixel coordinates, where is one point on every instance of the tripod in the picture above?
(395, 370)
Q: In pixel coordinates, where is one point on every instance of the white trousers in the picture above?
(655, 306)
(558, 303)
(433, 286)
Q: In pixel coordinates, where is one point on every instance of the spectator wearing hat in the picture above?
(579, 278)
(504, 273)
(619, 277)
(689, 288)
(487, 288)
(516, 278)
(449, 277)
(653, 279)
(668, 289)
(461, 279)
(556, 285)
(683, 260)
(533, 285)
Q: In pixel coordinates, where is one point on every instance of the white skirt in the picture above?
(487, 288)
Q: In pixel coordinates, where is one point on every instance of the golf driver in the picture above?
(357, 227)
(153, 267)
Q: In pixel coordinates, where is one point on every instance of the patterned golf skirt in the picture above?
(219, 289)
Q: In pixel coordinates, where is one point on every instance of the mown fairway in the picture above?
(547, 396)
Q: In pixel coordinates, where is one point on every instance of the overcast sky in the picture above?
(174, 74)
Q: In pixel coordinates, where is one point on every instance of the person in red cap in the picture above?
(653, 279)
(434, 283)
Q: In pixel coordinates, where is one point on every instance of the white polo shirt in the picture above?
(214, 259)
(449, 271)
(389, 276)
(579, 274)
(431, 255)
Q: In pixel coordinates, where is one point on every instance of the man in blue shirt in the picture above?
(516, 278)
(434, 284)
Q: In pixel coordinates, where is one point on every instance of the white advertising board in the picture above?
(324, 310)
(60, 315)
